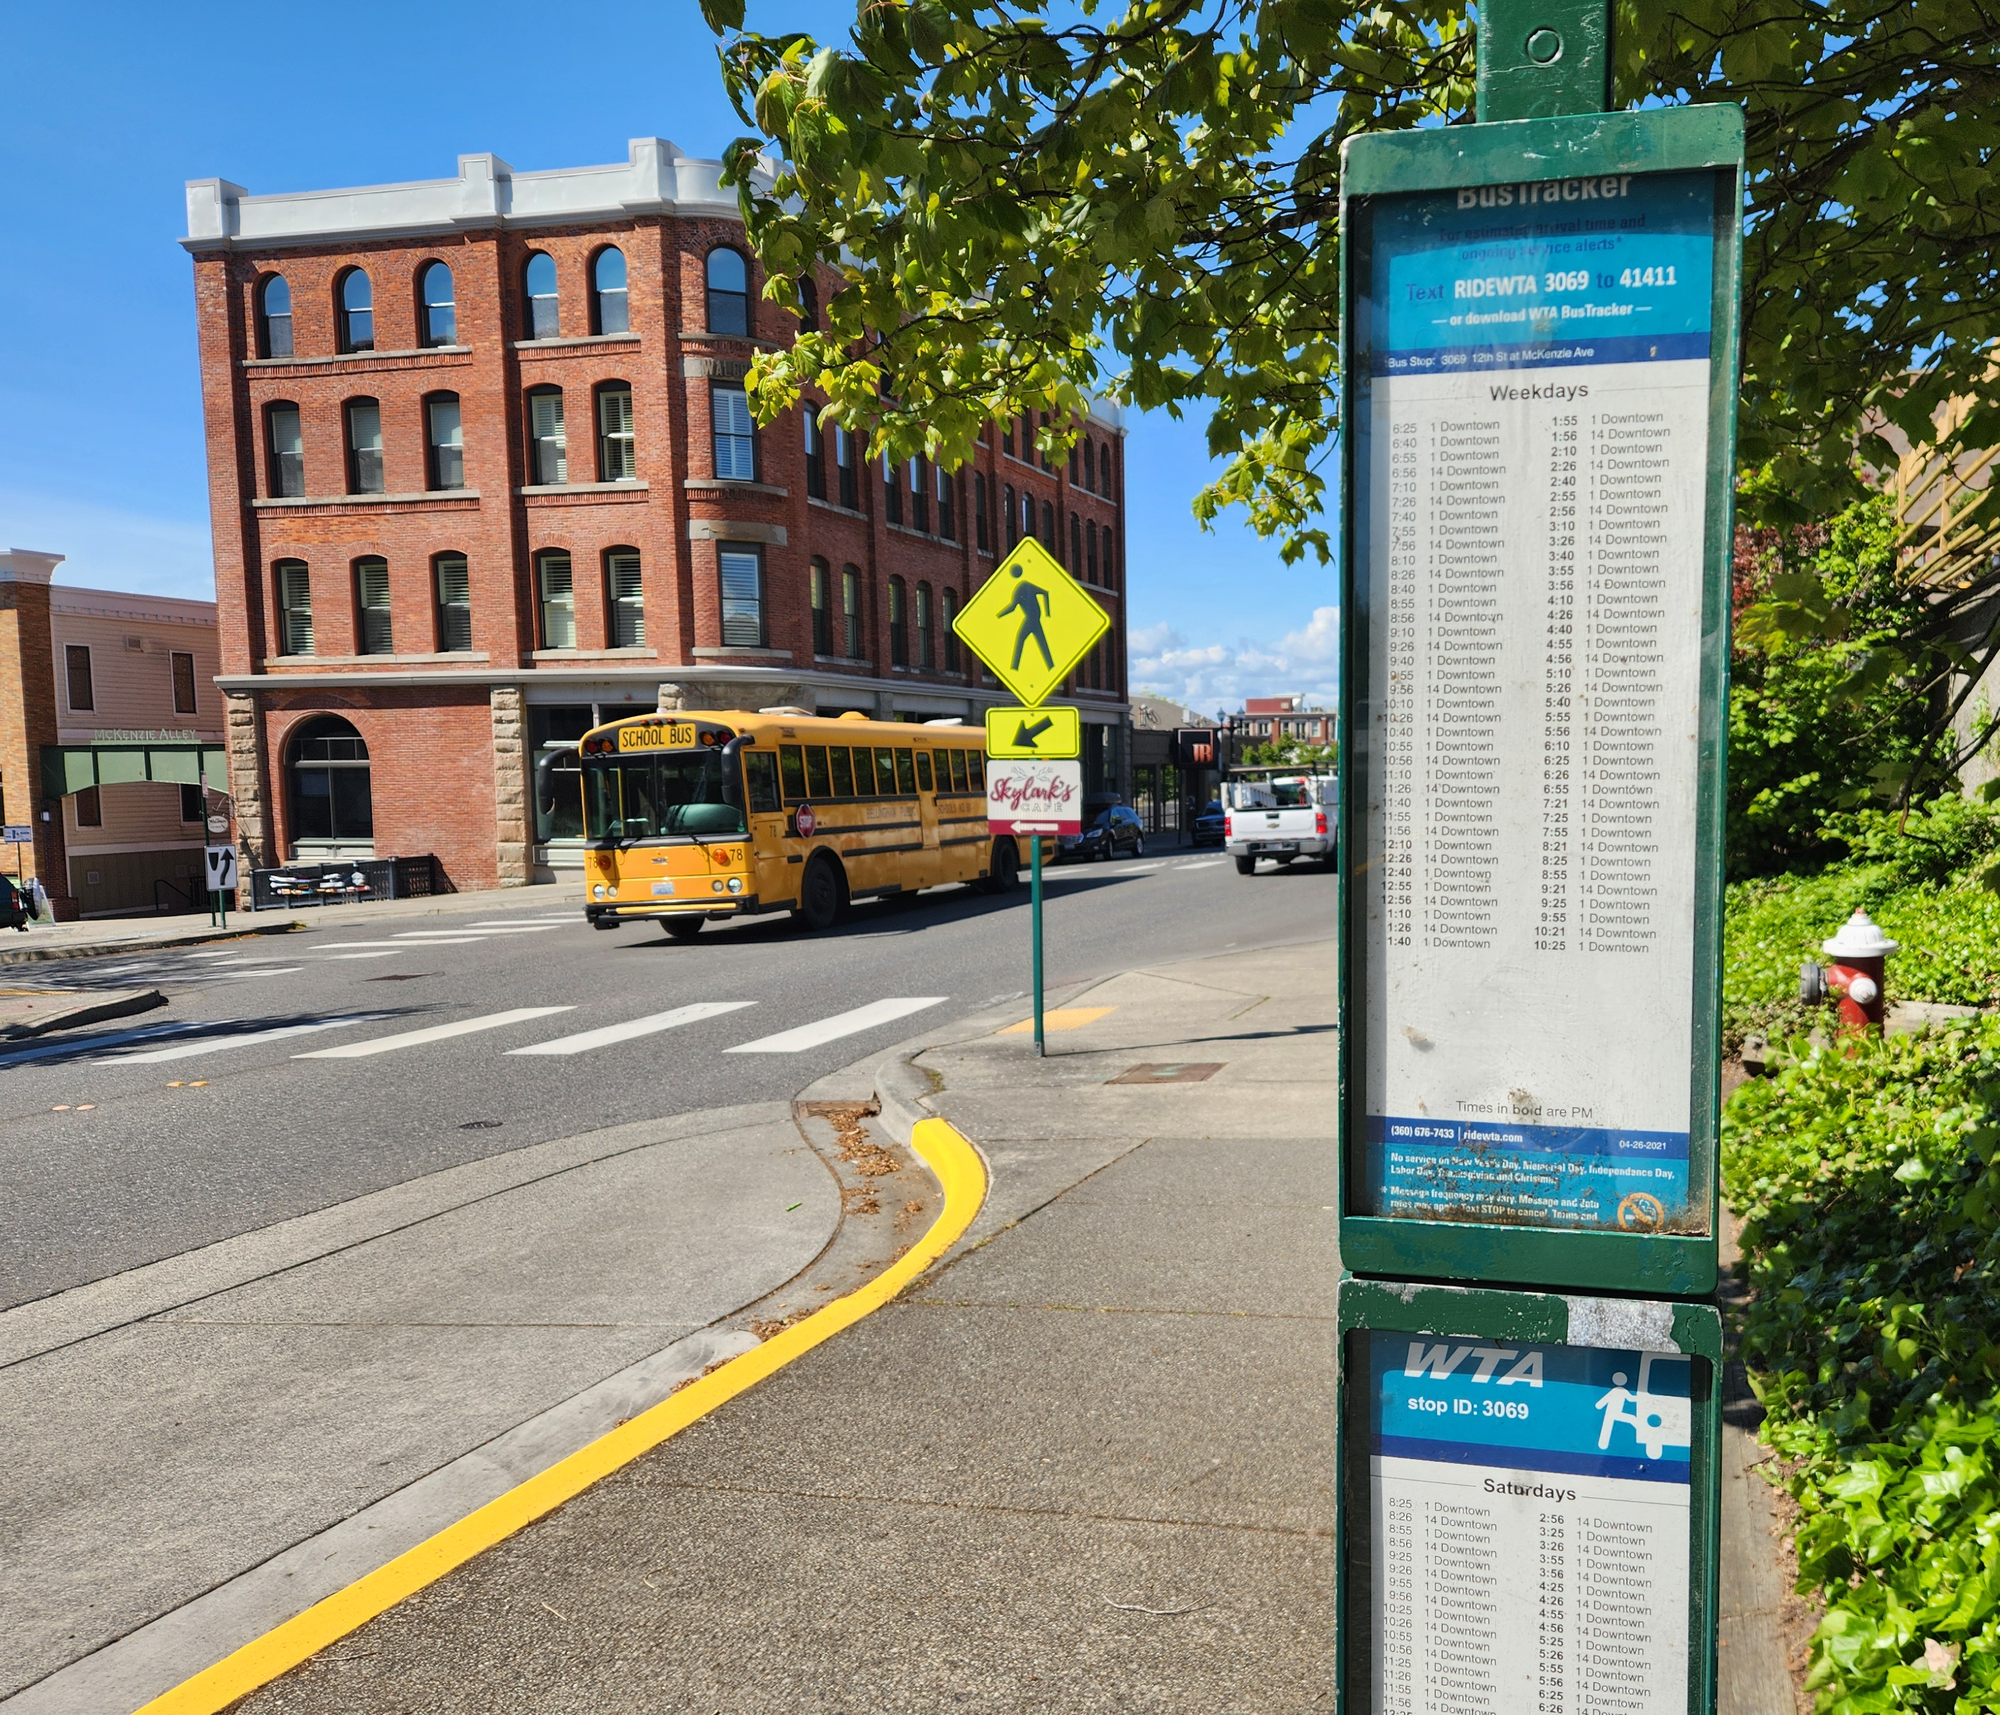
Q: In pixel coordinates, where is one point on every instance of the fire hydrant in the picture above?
(1857, 975)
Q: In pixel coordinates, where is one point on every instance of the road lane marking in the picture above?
(1206, 863)
(432, 1033)
(839, 1025)
(342, 946)
(212, 1044)
(517, 928)
(584, 1040)
(1141, 869)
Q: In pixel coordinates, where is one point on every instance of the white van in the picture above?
(1278, 814)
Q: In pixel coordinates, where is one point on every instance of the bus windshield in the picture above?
(640, 796)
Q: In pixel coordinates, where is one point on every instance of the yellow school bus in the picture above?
(697, 815)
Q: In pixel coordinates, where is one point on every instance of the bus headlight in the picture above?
(716, 885)
(600, 891)
(735, 884)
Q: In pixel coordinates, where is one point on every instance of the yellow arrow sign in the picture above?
(1053, 731)
(1031, 622)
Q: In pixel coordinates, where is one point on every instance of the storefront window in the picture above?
(553, 732)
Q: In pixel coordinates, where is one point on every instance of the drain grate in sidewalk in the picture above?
(1170, 1072)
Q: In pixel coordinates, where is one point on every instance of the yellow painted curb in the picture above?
(959, 1170)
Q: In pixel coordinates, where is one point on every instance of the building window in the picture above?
(371, 598)
(920, 495)
(627, 604)
(440, 310)
(183, 683)
(89, 808)
(850, 613)
(609, 309)
(950, 636)
(288, 450)
(82, 692)
(899, 626)
(550, 442)
(274, 317)
(1110, 564)
(741, 571)
(1075, 542)
(822, 609)
(617, 447)
(808, 303)
(556, 587)
(295, 607)
(892, 491)
(193, 809)
(1027, 514)
(926, 653)
(364, 446)
(1048, 536)
(847, 460)
(1041, 454)
(446, 430)
(1074, 473)
(357, 312)
(982, 531)
(815, 452)
(544, 311)
(1007, 504)
(454, 603)
(728, 292)
(946, 486)
(735, 434)
(553, 732)
(1090, 540)
(330, 792)
(1007, 437)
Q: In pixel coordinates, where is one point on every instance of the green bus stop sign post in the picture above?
(1539, 347)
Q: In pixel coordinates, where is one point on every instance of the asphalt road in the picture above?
(201, 1121)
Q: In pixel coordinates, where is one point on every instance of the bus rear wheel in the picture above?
(682, 928)
(1004, 875)
(822, 895)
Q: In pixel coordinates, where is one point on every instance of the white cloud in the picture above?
(1219, 676)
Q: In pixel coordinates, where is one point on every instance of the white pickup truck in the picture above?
(1278, 815)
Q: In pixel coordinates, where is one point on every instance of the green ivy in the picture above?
(1869, 1186)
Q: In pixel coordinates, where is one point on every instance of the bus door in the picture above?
(775, 879)
(928, 863)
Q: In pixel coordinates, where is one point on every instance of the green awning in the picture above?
(68, 768)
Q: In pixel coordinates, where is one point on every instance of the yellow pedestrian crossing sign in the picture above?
(1031, 622)
(1055, 731)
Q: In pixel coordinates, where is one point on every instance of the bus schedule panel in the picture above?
(1540, 387)
(1530, 1520)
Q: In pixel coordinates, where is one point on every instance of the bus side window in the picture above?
(957, 769)
(817, 782)
(906, 773)
(885, 772)
(792, 771)
(843, 774)
(923, 771)
(760, 769)
(975, 771)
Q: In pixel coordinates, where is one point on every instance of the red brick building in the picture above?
(482, 473)
(1273, 720)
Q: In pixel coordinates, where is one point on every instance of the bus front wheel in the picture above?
(822, 895)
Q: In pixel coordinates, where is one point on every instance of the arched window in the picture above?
(274, 317)
(440, 310)
(1013, 518)
(926, 655)
(373, 628)
(1075, 543)
(809, 303)
(288, 454)
(920, 495)
(728, 292)
(364, 446)
(1074, 473)
(850, 612)
(1110, 561)
(950, 636)
(815, 451)
(444, 435)
(538, 279)
(357, 312)
(982, 530)
(947, 490)
(609, 310)
(1089, 463)
(822, 608)
(548, 439)
(329, 778)
(1090, 536)
(454, 603)
(617, 446)
(899, 625)
(1027, 514)
(1048, 536)
(625, 599)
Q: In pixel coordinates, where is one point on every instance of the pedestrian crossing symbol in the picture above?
(1031, 622)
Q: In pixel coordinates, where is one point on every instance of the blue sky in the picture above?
(112, 107)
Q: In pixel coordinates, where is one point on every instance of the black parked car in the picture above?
(1211, 825)
(1116, 829)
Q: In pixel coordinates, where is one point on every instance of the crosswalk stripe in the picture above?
(386, 955)
(584, 1040)
(342, 946)
(432, 1033)
(1140, 869)
(436, 938)
(51, 1050)
(214, 1044)
(281, 971)
(840, 1024)
(517, 928)
(1206, 863)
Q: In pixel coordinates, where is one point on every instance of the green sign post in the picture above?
(1540, 359)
